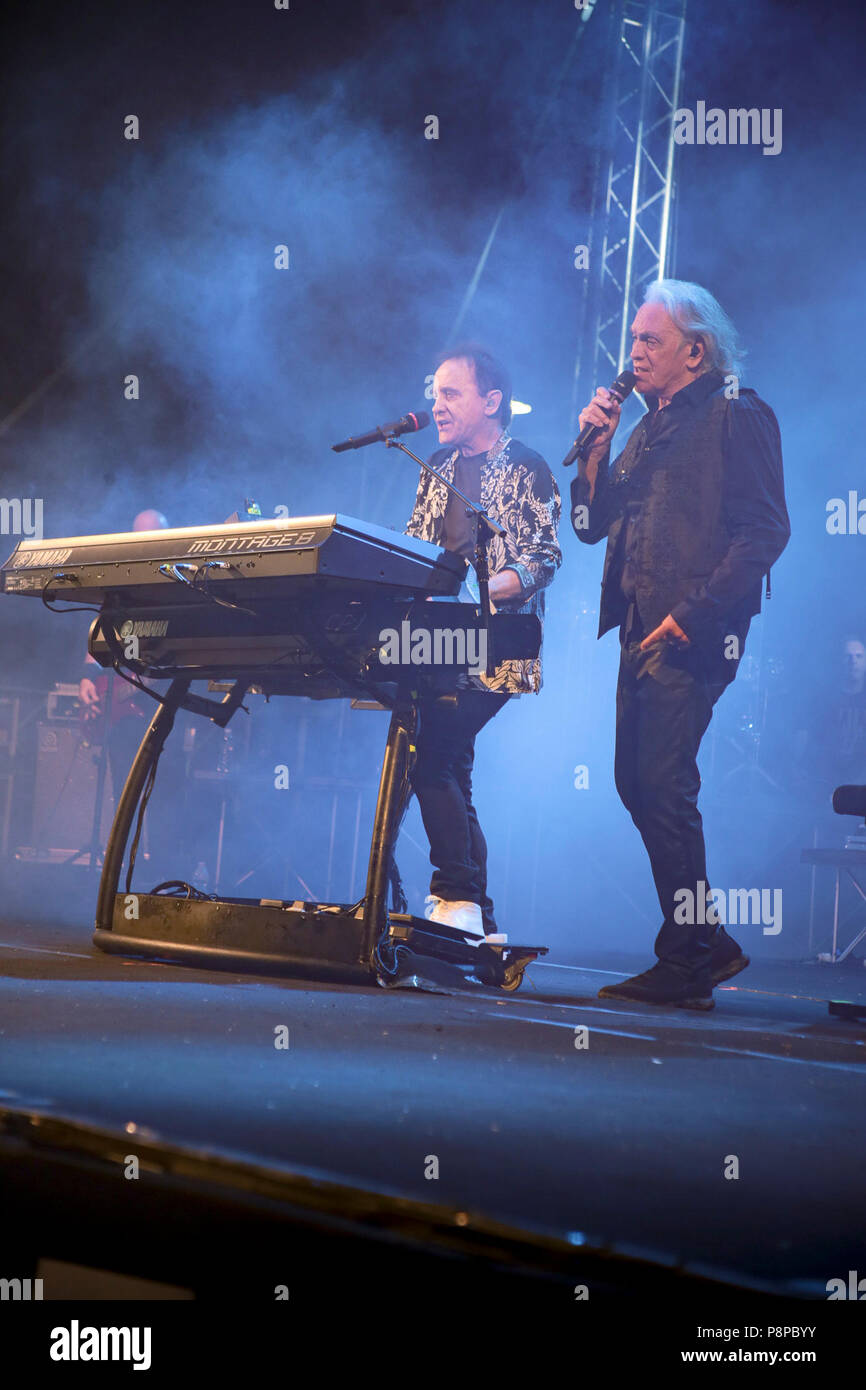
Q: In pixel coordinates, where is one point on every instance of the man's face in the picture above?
(150, 520)
(659, 353)
(855, 660)
(461, 413)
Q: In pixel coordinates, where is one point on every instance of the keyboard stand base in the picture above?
(313, 940)
(365, 943)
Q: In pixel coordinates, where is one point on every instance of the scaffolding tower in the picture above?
(631, 238)
(636, 224)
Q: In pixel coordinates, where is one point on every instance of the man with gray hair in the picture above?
(694, 514)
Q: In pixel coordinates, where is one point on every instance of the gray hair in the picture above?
(698, 314)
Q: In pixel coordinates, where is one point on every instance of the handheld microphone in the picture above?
(622, 389)
(850, 801)
(415, 420)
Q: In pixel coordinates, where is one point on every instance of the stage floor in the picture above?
(626, 1140)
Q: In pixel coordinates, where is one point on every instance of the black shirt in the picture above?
(459, 534)
(839, 734)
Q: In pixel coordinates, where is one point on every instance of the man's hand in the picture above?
(667, 631)
(89, 697)
(505, 586)
(603, 410)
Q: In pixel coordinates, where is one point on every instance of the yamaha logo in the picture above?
(153, 627)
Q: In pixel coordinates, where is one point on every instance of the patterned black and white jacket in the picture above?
(519, 491)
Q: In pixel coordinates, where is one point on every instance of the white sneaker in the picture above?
(462, 916)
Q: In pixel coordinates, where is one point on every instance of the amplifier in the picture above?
(65, 790)
(63, 703)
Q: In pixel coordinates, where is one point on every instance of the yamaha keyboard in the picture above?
(295, 606)
(251, 558)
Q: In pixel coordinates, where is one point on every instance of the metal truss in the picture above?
(637, 238)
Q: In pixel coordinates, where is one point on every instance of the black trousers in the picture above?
(664, 703)
(442, 782)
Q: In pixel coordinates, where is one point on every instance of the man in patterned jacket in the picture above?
(472, 411)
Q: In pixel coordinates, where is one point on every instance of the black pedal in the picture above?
(842, 1008)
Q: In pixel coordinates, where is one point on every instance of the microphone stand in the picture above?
(485, 529)
(101, 771)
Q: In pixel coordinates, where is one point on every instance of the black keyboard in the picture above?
(322, 646)
(296, 607)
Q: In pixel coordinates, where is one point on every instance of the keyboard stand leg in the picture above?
(396, 766)
(157, 732)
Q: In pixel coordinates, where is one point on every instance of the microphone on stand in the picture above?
(408, 424)
(622, 389)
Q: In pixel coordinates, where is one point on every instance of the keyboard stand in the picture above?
(839, 859)
(364, 943)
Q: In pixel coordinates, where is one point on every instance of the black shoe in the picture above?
(727, 959)
(663, 985)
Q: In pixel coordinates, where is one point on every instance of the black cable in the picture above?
(201, 573)
(83, 608)
(397, 951)
(190, 891)
(70, 579)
